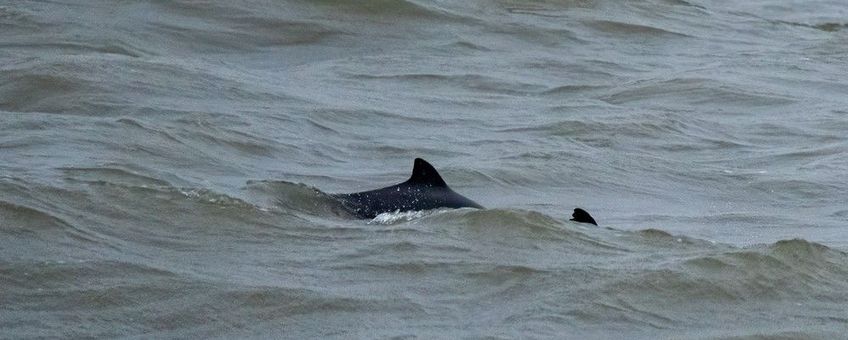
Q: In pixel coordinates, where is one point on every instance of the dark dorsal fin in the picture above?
(582, 216)
(424, 173)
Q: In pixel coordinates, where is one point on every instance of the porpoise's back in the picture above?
(424, 190)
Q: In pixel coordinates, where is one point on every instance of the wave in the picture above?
(617, 27)
(111, 174)
(695, 91)
(30, 230)
(496, 220)
(831, 26)
(252, 34)
(13, 18)
(136, 184)
(406, 9)
(786, 270)
(56, 274)
(660, 239)
(113, 85)
(299, 198)
(797, 192)
(25, 90)
(470, 82)
(115, 48)
(17, 216)
(291, 302)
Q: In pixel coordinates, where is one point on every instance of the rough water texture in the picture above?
(166, 169)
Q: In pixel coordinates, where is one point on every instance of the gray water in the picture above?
(165, 168)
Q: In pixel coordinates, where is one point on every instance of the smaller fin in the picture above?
(424, 173)
(582, 216)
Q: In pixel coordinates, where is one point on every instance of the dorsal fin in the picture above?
(582, 216)
(424, 173)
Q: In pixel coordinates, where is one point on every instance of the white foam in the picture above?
(398, 216)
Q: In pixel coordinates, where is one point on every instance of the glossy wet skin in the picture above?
(424, 190)
(582, 216)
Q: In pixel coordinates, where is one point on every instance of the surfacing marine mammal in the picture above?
(424, 190)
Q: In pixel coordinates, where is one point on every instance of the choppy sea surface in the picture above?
(165, 168)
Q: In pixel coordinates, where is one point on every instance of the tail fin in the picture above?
(582, 216)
